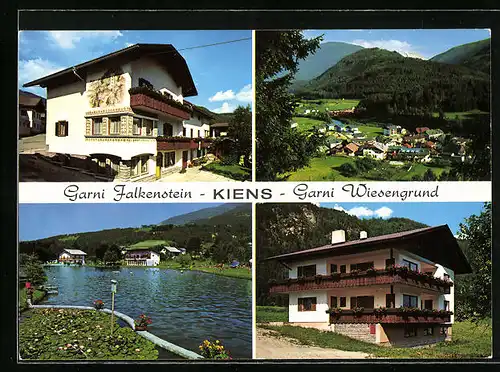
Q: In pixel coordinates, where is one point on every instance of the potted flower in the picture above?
(98, 304)
(335, 312)
(335, 276)
(371, 271)
(380, 311)
(141, 323)
(358, 311)
(354, 272)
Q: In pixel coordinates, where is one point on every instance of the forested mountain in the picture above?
(326, 56)
(223, 237)
(199, 214)
(389, 83)
(475, 55)
(284, 228)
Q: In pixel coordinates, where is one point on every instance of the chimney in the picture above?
(363, 235)
(338, 236)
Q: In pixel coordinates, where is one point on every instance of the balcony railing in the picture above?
(142, 97)
(181, 143)
(363, 278)
(389, 315)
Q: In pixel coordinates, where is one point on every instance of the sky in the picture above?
(432, 214)
(38, 221)
(222, 73)
(412, 43)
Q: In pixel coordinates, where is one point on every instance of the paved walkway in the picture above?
(195, 174)
(270, 345)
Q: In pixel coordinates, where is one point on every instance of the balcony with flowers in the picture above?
(391, 275)
(389, 315)
(148, 99)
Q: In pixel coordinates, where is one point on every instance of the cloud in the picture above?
(222, 96)
(225, 108)
(245, 94)
(402, 47)
(36, 68)
(69, 39)
(360, 212)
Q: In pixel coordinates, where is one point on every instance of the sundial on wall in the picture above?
(108, 90)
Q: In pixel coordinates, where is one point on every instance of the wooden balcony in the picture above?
(348, 280)
(181, 143)
(148, 100)
(391, 315)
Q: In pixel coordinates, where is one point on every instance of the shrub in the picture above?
(365, 164)
(213, 350)
(348, 170)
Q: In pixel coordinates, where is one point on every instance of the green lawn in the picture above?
(68, 238)
(326, 169)
(305, 124)
(371, 131)
(266, 314)
(468, 341)
(37, 297)
(330, 104)
(234, 171)
(461, 114)
(148, 244)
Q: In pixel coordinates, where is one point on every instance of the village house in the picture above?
(391, 130)
(351, 149)
(138, 256)
(394, 289)
(375, 150)
(31, 114)
(421, 130)
(219, 129)
(127, 112)
(173, 251)
(72, 256)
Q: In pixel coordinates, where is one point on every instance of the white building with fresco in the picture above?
(127, 112)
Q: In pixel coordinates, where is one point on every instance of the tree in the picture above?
(429, 175)
(193, 244)
(348, 170)
(184, 259)
(240, 130)
(32, 269)
(111, 256)
(280, 149)
(473, 291)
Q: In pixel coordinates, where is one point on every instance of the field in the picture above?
(149, 244)
(463, 115)
(469, 340)
(371, 131)
(305, 124)
(327, 104)
(326, 169)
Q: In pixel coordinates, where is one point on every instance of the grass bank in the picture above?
(207, 267)
(233, 171)
(37, 297)
(69, 334)
(469, 340)
(266, 314)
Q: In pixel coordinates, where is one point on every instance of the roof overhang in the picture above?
(436, 244)
(165, 54)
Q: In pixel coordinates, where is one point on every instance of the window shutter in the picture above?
(57, 128)
(313, 305)
(104, 126)
(88, 126)
(66, 128)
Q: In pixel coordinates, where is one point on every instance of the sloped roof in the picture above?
(172, 249)
(75, 252)
(165, 54)
(30, 99)
(352, 147)
(435, 243)
(219, 125)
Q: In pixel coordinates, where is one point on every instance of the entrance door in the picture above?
(159, 165)
(184, 159)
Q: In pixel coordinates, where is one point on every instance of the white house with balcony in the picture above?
(394, 289)
(126, 111)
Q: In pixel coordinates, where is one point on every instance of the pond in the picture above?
(186, 308)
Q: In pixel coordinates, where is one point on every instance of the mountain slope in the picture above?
(475, 55)
(241, 213)
(200, 214)
(326, 56)
(401, 84)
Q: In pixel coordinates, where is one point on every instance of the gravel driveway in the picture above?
(270, 345)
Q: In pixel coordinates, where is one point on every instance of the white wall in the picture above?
(199, 124)
(320, 263)
(441, 270)
(378, 258)
(377, 293)
(318, 316)
(156, 74)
